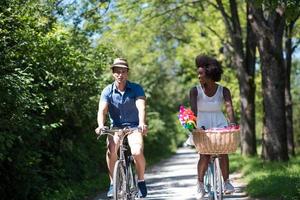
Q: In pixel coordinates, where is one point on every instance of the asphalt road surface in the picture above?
(175, 179)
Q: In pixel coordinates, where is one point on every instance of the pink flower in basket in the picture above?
(187, 118)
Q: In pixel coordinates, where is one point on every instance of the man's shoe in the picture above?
(142, 189)
(110, 191)
(200, 191)
(228, 188)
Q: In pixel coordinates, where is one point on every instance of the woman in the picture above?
(206, 101)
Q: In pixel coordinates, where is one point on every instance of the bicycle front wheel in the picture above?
(119, 182)
(131, 179)
(208, 181)
(218, 188)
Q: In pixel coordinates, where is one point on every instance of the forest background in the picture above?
(55, 59)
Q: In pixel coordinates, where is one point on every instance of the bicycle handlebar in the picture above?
(122, 132)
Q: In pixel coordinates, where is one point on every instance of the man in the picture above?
(125, 102)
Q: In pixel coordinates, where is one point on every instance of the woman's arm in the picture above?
(193, 100)
(228, 105)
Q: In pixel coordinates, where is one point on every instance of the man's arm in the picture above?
(141, 106)
(101, 116)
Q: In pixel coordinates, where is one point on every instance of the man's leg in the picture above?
(111, 158)
(136, 144)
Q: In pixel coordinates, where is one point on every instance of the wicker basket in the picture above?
(216, 141)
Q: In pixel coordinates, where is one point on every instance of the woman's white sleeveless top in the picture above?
(210, 113)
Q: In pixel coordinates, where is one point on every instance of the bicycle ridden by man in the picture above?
(125, 102)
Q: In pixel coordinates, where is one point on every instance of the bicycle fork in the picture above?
(212, 180)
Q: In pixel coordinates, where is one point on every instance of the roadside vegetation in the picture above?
(269, 180)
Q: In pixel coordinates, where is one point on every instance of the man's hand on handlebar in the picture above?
(99, 129)
(144, 129)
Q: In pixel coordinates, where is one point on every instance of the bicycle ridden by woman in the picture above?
(125, 102)
(206, 101)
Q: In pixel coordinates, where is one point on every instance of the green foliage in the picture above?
(230, 81)
(258, 106)
(51, 78)
(86, 15)
(50, 81)
(292, 7)
(295, 90)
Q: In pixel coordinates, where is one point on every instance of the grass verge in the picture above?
(269, 180)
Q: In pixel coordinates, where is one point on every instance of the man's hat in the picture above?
(120, 62)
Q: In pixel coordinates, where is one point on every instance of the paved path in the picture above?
(175, 179)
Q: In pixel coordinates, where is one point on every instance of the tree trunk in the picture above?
(288, 96)
(247, 95)
(274, 128)
(248, 133)
(269, 32)
(245, 66)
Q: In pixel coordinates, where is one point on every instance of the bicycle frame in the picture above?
(126, 159)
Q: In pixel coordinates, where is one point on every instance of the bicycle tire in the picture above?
(208, 181)
(131, 181)
(218, 188)
(119, 182)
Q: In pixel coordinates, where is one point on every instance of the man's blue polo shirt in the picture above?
(122, 108)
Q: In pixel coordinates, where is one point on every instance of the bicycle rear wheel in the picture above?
(218, 188)
(119, 182)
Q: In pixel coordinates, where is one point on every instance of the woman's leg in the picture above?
(224, 162)
(202, 166)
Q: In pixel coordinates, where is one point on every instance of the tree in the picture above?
(268, 22)
(289, 49)
(244, 62)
